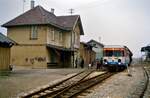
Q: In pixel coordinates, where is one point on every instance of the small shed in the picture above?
(98, 48)
(5, 45)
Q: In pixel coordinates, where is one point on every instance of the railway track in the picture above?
(54, 89)
(147, 81)
(75, 89)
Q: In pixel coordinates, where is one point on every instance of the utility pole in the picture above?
(71, 11)
(23, 5)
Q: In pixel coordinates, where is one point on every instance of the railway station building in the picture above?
(44, 39)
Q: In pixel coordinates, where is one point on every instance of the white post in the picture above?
(129, 74)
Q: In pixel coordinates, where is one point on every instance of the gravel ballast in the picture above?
(120, 85)
(147, 92)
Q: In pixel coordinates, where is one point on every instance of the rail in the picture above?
(75, 89)
(53, 89)
(146, 84)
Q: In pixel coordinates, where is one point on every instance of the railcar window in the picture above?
(116, 53)
(108, 53)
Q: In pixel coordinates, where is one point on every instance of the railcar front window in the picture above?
(108, 53)
(116, 53)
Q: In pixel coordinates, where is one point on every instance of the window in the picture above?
(53, 33)
(34, 32)
(60, 36)
(116, 53)
(108, 53)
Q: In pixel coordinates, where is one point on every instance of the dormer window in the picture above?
(34, 33)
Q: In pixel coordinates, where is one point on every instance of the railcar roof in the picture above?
(118, 46)
(114, 46)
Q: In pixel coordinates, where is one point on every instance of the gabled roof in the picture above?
(70, 21)
(40, 16)
(5, 41)
(95, 42)
(86, 44)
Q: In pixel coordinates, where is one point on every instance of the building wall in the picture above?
(87, 54)
(34, 52)
(65, 41)
(29, 56)
(21, 35)
(98, 50)
(56, 40)
(4, 58)
(76, 38)
(75, 44)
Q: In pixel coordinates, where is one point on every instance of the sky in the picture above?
(111, 22)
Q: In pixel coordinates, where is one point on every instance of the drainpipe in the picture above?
(72, 48)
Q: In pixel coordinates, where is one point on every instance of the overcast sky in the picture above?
(115, 22)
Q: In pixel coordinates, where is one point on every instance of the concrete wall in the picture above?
(29, 56)
(4, 58)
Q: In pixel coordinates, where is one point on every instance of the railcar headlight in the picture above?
(105, 60)
(119, 60)
(119, 63)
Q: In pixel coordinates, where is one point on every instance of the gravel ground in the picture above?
(23, 80)
(120, 85)
(147, 93)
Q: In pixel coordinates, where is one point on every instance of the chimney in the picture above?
(32, 4)
(52, 10)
